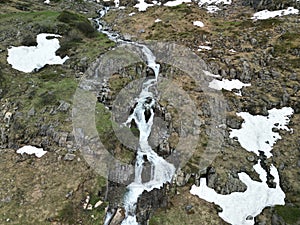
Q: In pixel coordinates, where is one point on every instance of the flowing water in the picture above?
(161, 171)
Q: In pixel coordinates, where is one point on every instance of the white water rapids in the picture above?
(161, 171)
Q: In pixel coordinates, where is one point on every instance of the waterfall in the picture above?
(161, 171)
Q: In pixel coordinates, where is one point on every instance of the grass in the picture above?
(290, 214)
(79, 22)
(104, 126)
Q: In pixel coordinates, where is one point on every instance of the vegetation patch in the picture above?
(290, 214)
(79, 22)
(104, 126)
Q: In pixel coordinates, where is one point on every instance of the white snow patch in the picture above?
(176, 2)
(227, 84)
(237, 206)
(131, 14)
(142, 5)
(212, 9)
(266, 14)
(256, 132)
(28, 149)
(198, 23)
(157, 20)
(232, 50)
(204, 47)
(207, 73)
(47, 1)
(214, 2)
(26, 59)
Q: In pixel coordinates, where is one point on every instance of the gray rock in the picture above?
(63, 106)
(233, 185)
(69, 157)
(251, 158)
(118, 217)
(277, 220)
(31, 112)
(197, 123)
(62, 140)
(249, 217)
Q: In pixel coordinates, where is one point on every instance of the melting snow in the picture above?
(207, 73)
(142, 5)
(204, 47)
(157, 20)
(131, 14)
(39, 152)
(117, 3)
(198, 23)
(238, 206)
(47, 1)
(176, 2)
(266, 14)
(214, 2)
(212, 8)
(26, 59)
(253, 138)
(227, 84)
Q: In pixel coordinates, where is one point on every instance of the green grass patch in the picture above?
(290, 214)
(104, 126)
(79, 22)
(30, 16)
(268, 23)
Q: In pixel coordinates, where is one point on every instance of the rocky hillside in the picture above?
(36, 109)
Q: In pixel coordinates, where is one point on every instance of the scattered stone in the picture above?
(249, 217)
(251, 158)
(31, 112)
(118, 217)
(86, 202)
(69, 157)
(98, 204)
(277, 220)
(63, 106)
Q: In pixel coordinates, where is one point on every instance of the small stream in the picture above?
(143, 115)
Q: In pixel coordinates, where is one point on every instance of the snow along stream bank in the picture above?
(161, 170)
(240, 208)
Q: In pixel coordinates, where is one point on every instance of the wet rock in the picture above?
(249, 217)
(148, 202)
(146, 172)
(118, 217)
(150, 72)
(219, 208)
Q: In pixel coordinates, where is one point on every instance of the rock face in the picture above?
(34, 111)
(270, 4)
(149, 202)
